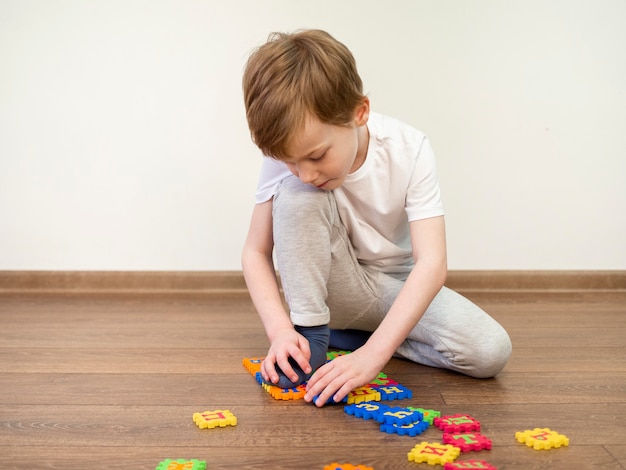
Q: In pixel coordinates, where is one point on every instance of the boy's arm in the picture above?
(260, 276)
(345, 373)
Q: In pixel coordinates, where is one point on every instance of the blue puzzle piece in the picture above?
(412, 429)
(365, 410)
(398, 415)
(394, 392)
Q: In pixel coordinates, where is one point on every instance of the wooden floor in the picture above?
(111, 382)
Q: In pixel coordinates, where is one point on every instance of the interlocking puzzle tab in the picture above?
(457, 423)
(181, 464)
(346, 466)
(542, 439)
(433, 453)
(469, 465)
(212, 419)
(467, 442)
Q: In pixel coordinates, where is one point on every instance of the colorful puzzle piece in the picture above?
(381, 380)
(394, 392)
(346, 466)
(392, 389)
(469, 465)
(542, 439)
(412, 429)
(398, 415)
(433, 453)
(330, 355)
(285, 393)
(362, 394)
(457, 423)
(181, 464)
(428, 415)
(470, 441)
(365, 410)
(252, 364)
(212, 419)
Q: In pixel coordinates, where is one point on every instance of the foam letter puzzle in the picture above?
(428, 415)
(394, 392)
(398, 415)
(457, 423)
(412, 429)
(542, 439)
(252, 364)
(433, 453)
(365, 410)
(181, 464)
(469, 465)
(467, 441)
(362, 394)
(346, 466)
(212, 419)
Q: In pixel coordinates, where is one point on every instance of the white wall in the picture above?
(123, 142)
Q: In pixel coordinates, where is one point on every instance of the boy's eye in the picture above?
(320, 157)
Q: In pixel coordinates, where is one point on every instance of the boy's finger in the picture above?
(287, 369)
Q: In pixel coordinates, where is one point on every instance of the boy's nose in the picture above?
(306, 174)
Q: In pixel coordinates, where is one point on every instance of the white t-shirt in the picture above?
(396, 184)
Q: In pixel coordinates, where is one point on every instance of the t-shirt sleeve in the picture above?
(272, 173)
(423, 198)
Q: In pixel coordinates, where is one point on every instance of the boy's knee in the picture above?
(295, 199)
(491, 356)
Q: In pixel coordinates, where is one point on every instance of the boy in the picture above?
(349, 202)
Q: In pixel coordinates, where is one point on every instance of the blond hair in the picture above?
(293, 76)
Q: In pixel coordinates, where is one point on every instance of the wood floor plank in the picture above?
(517, 457)
(531, 388)
(99, 381)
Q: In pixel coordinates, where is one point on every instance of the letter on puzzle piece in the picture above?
(212, 419)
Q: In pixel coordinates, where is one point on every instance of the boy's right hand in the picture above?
(287, 343)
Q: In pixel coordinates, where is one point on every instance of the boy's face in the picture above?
(322, 155)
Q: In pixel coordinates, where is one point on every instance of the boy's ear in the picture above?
(362, 112)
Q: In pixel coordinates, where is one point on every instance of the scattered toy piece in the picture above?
(428, 415)
(412, 429)
(346, 466)
(285, 393)
(330, 355)
(252, 364)
(382, 379)
(181, 464)
(362, 394)
(394, 392)
(457, 423)
(365, 410)
(542, 439)
(470, 441)
(469, 465)
(433, 453)
(372, 392)
(398, 415)
(212, 419)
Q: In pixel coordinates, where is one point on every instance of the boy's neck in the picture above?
(361, 154)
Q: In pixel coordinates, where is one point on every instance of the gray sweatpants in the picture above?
(324, 283)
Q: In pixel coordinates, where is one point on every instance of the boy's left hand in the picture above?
(340, 376)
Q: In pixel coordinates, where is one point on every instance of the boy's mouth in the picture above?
(321, 186)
